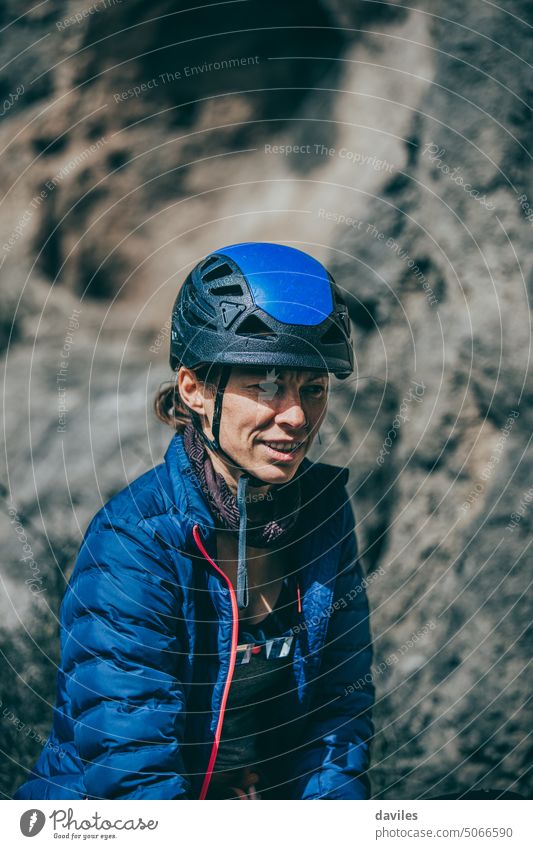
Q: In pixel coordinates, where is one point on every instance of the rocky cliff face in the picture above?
(394, 145)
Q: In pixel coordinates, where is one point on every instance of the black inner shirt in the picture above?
(261, 675)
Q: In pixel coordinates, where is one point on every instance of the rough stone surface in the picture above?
(109, 197)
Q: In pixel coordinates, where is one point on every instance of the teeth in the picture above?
(282, 446)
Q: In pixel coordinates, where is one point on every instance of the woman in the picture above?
(214, 633)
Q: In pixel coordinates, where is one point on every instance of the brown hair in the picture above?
(168, 405)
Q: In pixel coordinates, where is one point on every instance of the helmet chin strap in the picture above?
(246, 479)
(214, 444)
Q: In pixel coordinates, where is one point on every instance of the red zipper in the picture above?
(234, 641)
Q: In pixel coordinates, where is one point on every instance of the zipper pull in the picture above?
(299, 596)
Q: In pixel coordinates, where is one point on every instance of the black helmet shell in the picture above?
(260, 303)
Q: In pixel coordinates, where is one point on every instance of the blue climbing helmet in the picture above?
(258, 304)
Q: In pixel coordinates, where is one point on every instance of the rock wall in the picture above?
(393, 144)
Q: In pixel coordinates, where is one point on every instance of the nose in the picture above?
(290, 410)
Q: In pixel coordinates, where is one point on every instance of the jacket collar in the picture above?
(186, 491)
(189, 499)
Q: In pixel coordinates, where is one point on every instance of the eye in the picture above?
(315, 389)
(267, 390)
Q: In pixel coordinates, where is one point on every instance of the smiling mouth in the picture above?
(283, 449)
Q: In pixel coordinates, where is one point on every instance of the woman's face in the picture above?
(263, 406)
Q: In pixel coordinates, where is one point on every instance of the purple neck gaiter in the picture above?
(281, 505)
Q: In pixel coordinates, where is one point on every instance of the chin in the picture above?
(276, 474)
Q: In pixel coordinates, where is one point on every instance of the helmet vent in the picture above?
(201, 303)
(333, 335)
(195, 320)
(216, 273)
(209, 261)
(253, 326)
(227, 290)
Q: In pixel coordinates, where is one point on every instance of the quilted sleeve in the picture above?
(333, 762)
(121, 654)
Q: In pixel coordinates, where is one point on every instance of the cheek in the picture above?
(317, 411)
(242, 419)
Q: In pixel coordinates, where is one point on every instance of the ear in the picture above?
(191, 390)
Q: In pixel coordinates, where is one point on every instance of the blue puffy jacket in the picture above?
(148, 638)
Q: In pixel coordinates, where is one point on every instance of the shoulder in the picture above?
(148, 508)
(143, 498)
(324, 474)
(127, 538)
(329, 475)
(324, 491)
(158, 506)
